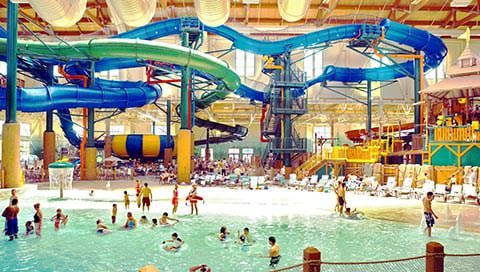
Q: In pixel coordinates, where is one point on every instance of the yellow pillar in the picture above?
(90, 163)
(184, 154)
(11, 156)
(48, 150)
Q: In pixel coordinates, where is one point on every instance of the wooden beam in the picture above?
(393, 10)
(94, 18)
(465, 20)
(324, 12)
(411, 9)
(446, 20)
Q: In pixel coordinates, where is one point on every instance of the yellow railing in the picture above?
(455, 134)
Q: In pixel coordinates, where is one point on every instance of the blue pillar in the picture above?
(416, 95)
(12, 29)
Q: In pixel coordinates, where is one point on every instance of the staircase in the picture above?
(312, 165)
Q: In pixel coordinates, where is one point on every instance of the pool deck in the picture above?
(281, 201)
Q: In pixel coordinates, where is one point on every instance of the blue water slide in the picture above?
(433, 48)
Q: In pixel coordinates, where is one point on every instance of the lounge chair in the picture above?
(470, 192)
(456, 193)
(244, 181)
(313, 182)
(389, 188)
(406, 188)
(253, 183)
(292, 181)
(428, 186)
(441, 191)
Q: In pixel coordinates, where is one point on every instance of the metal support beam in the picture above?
(12, 34)
(416, 95)
(369, 108)
(168, 121)
(287, 118)
(185, 92)
(91, 112)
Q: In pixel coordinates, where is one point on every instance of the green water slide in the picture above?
(129, 48)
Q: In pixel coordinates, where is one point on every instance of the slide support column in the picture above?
(167, 158)
(369, 108)
(11, 173)
(287, 118)
(48, 137)
(185, 135)
(91, 150)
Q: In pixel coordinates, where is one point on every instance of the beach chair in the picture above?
(389, 188)
(262, 183)
(470, 192)
(244, 181)
(253, 183)
(312, 183)
(441, 191)
(428, 186)
(292, 181)
(456, 193)
(406, 188)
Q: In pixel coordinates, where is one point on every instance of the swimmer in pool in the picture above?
(58, 219)
(144, 220)
(28, 228)
(200, 268)
(223, 235)
(248, 236)
(101, 227)
(353, 214)
(154, 223)
(164, 219)
(176, 243)
(131, 222)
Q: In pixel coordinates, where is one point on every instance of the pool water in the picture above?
(77, 247)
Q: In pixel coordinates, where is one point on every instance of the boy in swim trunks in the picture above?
(429, 214)
(273, 252)
(164, 219)
(126, 200)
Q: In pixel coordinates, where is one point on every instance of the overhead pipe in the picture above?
(60, 13)
(293, 10)
(212, 13)
(133, 13)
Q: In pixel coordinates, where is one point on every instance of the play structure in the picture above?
(411, 51)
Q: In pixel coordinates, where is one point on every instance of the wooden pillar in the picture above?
(435, 257)
(311, 259)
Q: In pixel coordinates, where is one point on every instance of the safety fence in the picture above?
(435, 260)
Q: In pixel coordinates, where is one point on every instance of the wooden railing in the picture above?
(456, 134)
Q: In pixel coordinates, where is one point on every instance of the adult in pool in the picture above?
(147, 197)
(131, 222)
(102, 228)
(11, 221)
(223, 235)
(38, 219)
(273, 252)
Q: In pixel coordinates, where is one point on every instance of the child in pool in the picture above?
(101, 227)
(126, 200)
(114, 213)
(176, 243)
(154, 223)
(144, 220)
(164, 219)
(131, 222)
(28, 228)
(58, 219)
(222, 236)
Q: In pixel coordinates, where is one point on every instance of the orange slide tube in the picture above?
(85, 116)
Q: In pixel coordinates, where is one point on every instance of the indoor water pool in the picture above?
(77, 247)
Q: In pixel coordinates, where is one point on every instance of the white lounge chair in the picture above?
(313, 182)
(428, 186)
(441, 191)
(406, 188)
(470, 192)
(456, 193)
(292, 181)
(389, 188)
(253, 183)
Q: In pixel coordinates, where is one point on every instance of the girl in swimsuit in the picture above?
(193, 198)
(175, 199)
(58, 219)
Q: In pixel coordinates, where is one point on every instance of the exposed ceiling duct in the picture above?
(133, 13)
(293, 10)
(60, 13)
(212, 12)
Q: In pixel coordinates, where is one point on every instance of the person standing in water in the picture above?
(175, 199)
(10, 213)
(273, 252)
(429, 214)
(193, 198)
(340, 190)
(147, 197)
(38, 220)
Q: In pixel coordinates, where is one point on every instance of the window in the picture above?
(110, 74)
(202, 153)
(244, 63)
(435, 75)
(322, 132)
(375, 61)
(313, 63)
(234, 154)
(3, 68)
(115, 130)
(247, 154)
(159, 130)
